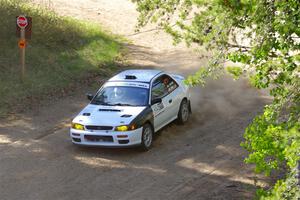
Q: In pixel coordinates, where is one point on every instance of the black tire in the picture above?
(147, 137)
(184, 112)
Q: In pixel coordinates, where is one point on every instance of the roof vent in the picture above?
(130, 77)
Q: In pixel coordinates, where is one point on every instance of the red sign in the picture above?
(22, 21)
(22, 44)
(28, 28)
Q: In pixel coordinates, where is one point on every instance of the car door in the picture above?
(158, 91)
(166, 88)
(173, 98)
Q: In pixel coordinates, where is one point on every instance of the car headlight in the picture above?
(77, 126)
(125, 128)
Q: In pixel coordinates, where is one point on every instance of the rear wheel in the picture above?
(184, 112)
(147, 137)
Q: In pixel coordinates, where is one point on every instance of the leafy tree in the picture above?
(263, 37)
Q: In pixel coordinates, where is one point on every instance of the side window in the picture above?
(158, 89)
(171, 85)
(162, 86)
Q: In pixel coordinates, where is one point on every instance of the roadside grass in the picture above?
(62, 52)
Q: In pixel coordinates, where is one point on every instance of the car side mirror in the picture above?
(89, 96)
(156, 100)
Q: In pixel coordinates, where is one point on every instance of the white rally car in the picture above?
(130, 107)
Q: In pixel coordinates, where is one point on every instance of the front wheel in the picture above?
(184, 112)
(147, 137)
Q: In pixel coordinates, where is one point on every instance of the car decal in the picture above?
(130, 84)
(159, 113)
(158, 107)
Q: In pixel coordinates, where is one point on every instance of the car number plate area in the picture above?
(98, 138)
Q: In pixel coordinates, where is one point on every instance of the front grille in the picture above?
(98, 138)
(105, 128)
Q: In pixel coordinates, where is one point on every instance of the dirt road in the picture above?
(200, 160)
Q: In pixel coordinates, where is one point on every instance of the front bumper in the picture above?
(106, 138)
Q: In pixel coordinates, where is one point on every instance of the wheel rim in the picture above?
(184, 112)
(147, 137)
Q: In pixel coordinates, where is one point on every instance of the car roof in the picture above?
(136, 75)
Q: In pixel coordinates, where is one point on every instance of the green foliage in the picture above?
(61, 51)
(236, 72)
(263, 37)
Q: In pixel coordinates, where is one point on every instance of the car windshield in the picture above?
(121, 96)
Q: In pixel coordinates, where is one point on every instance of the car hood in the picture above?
(98, 115)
